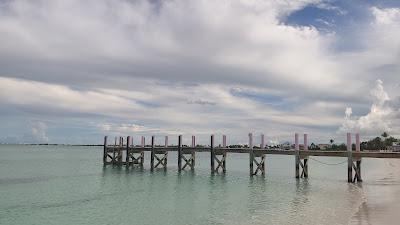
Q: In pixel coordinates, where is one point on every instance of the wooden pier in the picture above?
(134, 155)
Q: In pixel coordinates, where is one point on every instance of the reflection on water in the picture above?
(71, 186)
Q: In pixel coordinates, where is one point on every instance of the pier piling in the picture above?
(179, 153)
(161, 155)
(219, 156)
(113, 154)
(212, 151)
(257, 158)
(105, 153)
(353, 163)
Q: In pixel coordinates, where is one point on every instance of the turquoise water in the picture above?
(69, 185)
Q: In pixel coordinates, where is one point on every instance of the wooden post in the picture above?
(179, 153)
(152, 154)
(212, 154)
(224, 144)
(251, 155)
(105, 151)
(166, 152)
(193, 153)
(349, 159)
(358, 162)
(143, 143)
(128, 139)
(224, 155)
(114, 151)
(297, 151)
(121, 143)
(305, 160)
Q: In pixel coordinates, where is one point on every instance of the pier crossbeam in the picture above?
(275, 151)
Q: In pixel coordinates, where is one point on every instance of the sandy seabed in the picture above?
(381, 205)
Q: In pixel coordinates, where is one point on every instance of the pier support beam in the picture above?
(219, 156)
(353, 164)
(135, 156)
(256, 158)
(301, 162)
(188, 156)
(160, 155)
(117, 152)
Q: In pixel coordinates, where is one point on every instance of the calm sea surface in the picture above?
(68, 185)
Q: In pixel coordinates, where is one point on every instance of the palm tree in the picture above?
(331, 141)
(385, 134)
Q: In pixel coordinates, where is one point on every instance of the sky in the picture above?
(73, 71)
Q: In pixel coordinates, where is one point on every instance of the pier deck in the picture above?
(134, 155)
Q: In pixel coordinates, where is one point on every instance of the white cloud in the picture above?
(388, 16)
(382, 117)
(171, 66)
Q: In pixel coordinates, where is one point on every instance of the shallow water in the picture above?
(68, 185)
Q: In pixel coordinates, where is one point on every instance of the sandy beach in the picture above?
(381, 197)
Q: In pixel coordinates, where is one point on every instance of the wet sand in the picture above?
(381, 203)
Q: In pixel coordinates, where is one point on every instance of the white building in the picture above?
(395, 147)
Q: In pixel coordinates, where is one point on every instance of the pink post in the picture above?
(224, 141)
(305, 142)
(193, 141)
(262, 141)
(250, 140)
(348, 141)
(296, 142)
(358, 142)
(166, 141)
(143, 142)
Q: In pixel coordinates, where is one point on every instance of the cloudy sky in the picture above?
(72, 71)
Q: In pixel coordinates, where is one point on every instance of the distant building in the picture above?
(285, 146)
(395, 147)
(324, 146)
